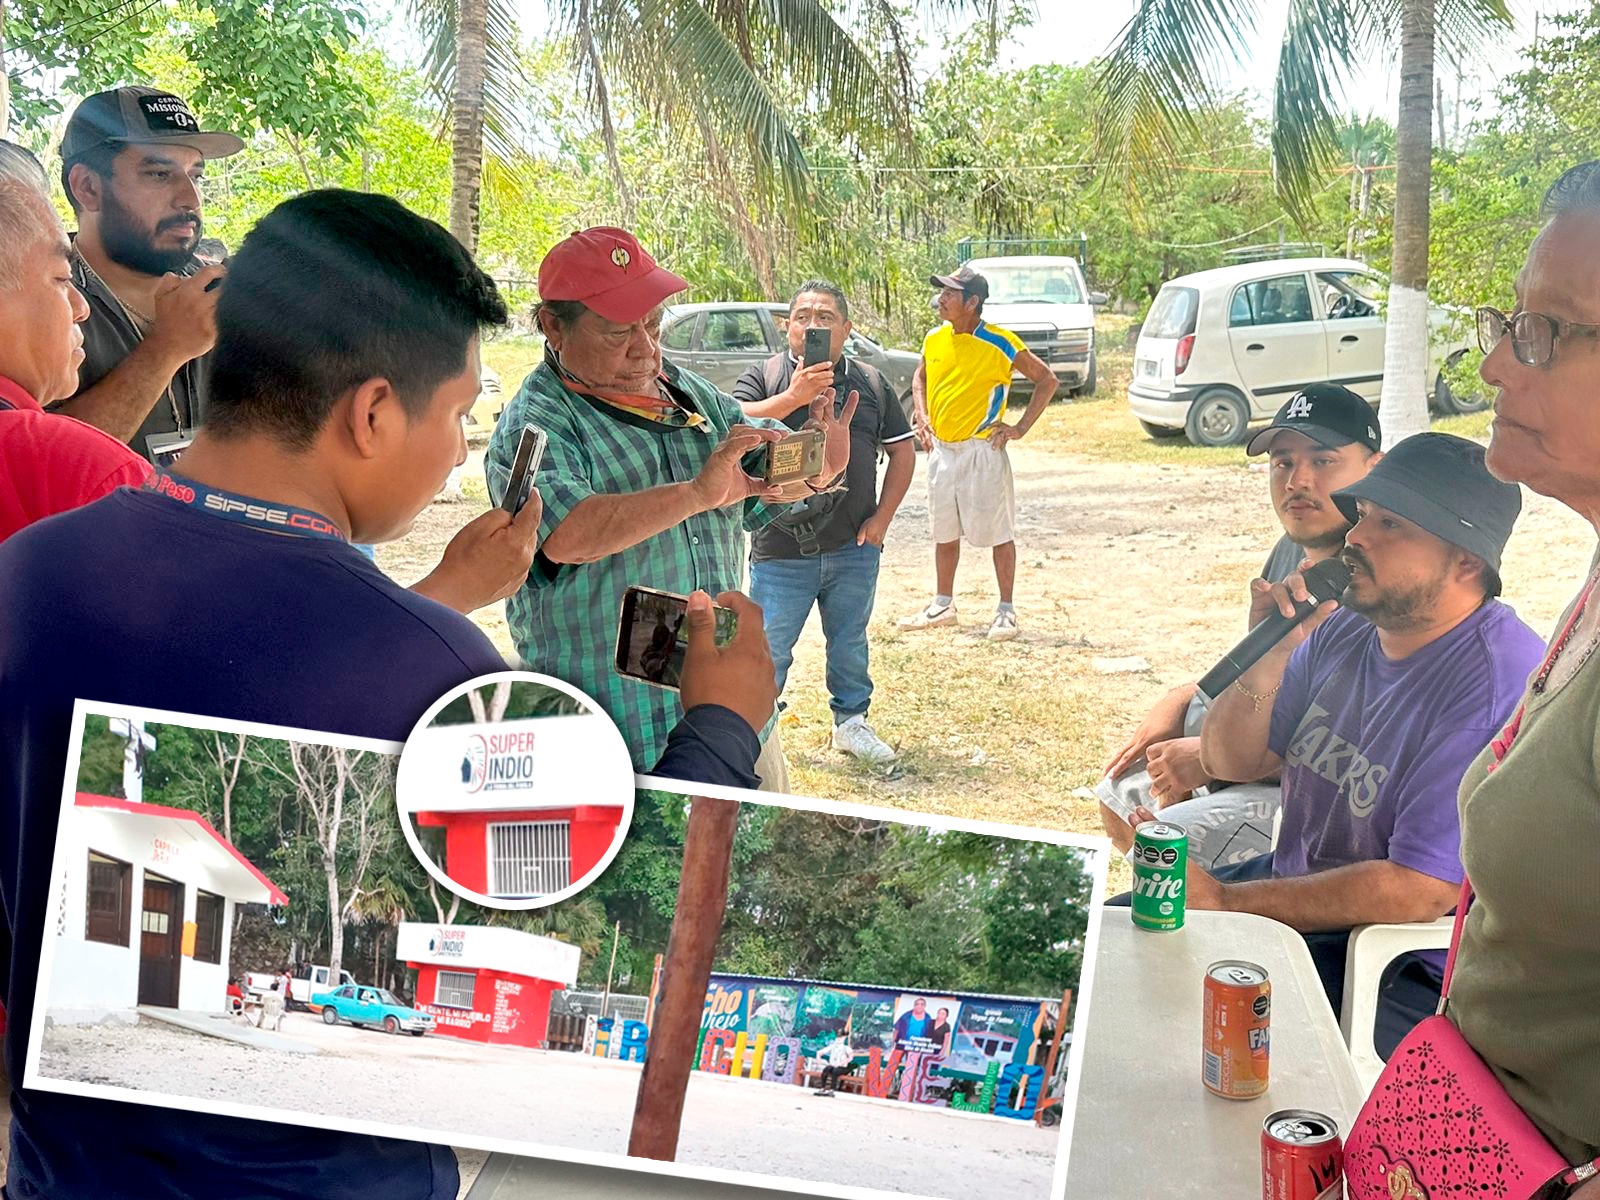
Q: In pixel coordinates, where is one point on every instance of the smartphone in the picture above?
(653, 635)
(800, 455)
(819, 347)
(530, 450)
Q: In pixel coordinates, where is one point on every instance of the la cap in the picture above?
(140, 115)
(1328, 414)
(965, 280)
(1439, 482)
(607, 270)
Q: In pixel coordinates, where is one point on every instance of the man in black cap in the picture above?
(132, 164)
(960, 391)
(1371, 714)
(1325, 437)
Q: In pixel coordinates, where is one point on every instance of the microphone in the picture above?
(1325, 581)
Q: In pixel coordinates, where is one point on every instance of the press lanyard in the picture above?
(277, 518)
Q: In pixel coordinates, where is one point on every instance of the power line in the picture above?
(85, 20)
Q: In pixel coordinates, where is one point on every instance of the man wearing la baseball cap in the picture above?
(131, 165)
(645, 478)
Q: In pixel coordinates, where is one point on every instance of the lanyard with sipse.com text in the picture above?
(275, 518)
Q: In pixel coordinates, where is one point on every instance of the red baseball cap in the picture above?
(606, 269)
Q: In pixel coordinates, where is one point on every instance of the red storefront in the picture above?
(487, 983)
(528, 807)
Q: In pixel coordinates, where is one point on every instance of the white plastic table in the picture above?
(1145, 1125)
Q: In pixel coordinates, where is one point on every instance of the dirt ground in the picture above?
(1120, 557)
(569, 1102)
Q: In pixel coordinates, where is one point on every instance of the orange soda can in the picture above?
(1236, 1016)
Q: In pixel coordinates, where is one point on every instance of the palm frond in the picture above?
(1462, 27)
(505, 82)
(1160, 71)
(1323, 40)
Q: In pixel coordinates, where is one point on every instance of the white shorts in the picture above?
(970, 493)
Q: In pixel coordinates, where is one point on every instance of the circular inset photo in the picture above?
(515, 790)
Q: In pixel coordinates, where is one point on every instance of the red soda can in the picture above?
(1302, 1157)
(1236, 1030)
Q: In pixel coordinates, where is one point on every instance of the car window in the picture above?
(1277, 301)
(1041, 284)
(679, 333)
(732, 330)
(1173, 314)
(1347, 294)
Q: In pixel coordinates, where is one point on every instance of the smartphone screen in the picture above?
(819, 346)
(530, 449)
(653, 635)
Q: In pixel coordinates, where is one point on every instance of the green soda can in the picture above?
(1160, 868)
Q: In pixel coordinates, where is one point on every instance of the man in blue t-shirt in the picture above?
(1371, 714)
(347, 357)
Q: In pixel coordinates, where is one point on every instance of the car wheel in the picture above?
(1450, 402)
(1160, 431)
(391, 1025)
(1217, 417)
(329, 1017)
(1051, 1117)
(418, 1032)
(1089, 380)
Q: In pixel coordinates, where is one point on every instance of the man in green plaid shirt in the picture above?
(643, 479)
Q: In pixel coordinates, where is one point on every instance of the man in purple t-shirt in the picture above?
(1372, 714)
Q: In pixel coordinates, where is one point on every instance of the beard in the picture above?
(1390, 609)
(128, 245)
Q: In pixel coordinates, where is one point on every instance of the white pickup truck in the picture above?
(306, 982)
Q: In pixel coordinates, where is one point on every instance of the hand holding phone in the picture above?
(797, 456)
(818, 348)
(524, 463)
(653, 635)
(737, 673)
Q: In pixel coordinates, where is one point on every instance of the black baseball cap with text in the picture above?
(1439, 482)
(966, 281)
(1328, 414)
(140, 116)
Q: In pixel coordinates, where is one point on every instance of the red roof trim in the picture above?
(88, 800)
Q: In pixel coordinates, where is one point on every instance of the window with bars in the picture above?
(208, 911)
(453, 989)
(529, 858)
(110, 900)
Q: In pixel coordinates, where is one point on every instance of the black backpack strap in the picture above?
(772, 373)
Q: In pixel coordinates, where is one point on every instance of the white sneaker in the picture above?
(1004, 627)
(929, 617)
(856, 737)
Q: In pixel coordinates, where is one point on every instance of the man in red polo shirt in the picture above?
(48, 463)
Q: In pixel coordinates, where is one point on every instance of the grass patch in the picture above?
(1470, 425)
(512, 357)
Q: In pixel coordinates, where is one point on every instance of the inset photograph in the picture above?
(830, 999)
(515, 790)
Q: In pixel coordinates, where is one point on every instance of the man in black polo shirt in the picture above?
(826, 550)
(132, 164)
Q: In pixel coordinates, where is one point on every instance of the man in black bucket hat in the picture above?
(1371, 714)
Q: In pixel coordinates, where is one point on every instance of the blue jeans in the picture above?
(842, 584)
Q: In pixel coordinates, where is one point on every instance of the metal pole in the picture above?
(702, 901)
(606, 997)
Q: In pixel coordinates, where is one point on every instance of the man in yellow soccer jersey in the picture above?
(960, 392)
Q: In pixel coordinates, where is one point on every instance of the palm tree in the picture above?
(1160, 71)
(730, 72)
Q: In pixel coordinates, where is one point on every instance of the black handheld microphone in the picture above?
(1325, 581)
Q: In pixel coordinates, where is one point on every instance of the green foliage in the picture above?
(527, 699)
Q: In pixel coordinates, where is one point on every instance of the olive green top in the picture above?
(1526, 991)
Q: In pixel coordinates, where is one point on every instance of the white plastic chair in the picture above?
(1371, 949)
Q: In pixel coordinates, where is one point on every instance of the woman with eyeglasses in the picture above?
(1526, 990)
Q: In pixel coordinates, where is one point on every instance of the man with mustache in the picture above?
(1372, 713)
(1325, 437)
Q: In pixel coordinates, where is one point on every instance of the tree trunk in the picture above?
(466, 134)
(1405, 356)
(336, 922)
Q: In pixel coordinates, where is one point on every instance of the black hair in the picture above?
(333, 288)
(98, 159)
(565, 312)
(827, 289)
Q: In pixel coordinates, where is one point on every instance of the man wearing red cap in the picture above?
(644, 479)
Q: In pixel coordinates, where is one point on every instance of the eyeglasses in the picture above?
(1533, 335)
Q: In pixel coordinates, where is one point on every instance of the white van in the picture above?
(1225, 347)
(1044, 300)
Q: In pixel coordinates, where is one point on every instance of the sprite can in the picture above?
(1160, 868)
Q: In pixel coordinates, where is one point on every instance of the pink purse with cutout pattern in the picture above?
(1438, 1124)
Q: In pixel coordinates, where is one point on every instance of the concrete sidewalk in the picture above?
(226, 1027)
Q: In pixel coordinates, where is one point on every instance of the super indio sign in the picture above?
(448, 941)
(497, 761)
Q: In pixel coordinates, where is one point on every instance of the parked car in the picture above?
(722, 340)
(1225, 347)
(485, 411)
(362, 1005)
(1044, 300)
(308, 980)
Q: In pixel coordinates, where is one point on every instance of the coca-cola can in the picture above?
(1302, 1156)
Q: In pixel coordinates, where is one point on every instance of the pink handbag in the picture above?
(1438, 1124)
